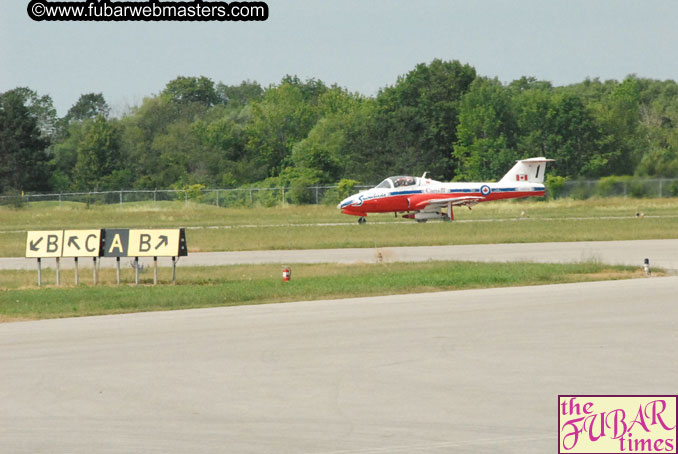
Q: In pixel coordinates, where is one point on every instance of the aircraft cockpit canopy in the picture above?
(397, 182)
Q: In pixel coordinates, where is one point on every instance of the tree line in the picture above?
(441, 117)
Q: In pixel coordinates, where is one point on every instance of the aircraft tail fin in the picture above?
(528, 170)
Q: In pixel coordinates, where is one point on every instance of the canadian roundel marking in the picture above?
(485, 190)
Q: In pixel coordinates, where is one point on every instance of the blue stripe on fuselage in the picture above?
(414, 191)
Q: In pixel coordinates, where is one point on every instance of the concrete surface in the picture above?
(474, 371)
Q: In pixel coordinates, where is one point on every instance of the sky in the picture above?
(362, 45)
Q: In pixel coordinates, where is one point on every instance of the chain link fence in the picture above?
(249, 197)
(329, 195)
(616, 187)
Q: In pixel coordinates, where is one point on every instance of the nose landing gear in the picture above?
(361, 220)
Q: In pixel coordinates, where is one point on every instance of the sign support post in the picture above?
(117, 269)
(77, 276)
(94, 268)
(174, 271)
(155, 270)
(58, 271)
(136, 270)
(39, 272)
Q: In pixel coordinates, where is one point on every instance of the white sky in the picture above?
(362, 45)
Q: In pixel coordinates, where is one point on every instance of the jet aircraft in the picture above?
(421, 198)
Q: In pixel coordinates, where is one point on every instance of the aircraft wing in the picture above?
(455, 201)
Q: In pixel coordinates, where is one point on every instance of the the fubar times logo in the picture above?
(590, 424)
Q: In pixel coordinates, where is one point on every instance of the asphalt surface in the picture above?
(662, 253)
(474, 371)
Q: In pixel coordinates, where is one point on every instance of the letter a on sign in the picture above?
(115, 242)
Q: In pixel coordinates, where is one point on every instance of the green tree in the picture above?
(619, 117)
(417, 118)
(239, 95)
(88, 107)
(98, 154)
(486, 144)
(186, 90)
(325, 147)
(23, 160)
(659, 117)
(41, 108)
(575, 139)
(180, 156)
(299, 182)
(361, 151)
(222, 140)
(147, 129)
(557, 126)
(64, 157)
(282, 118)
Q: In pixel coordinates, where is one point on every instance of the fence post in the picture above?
(660, 188)
(316, 195)
(120, 197)
(186, 197)
(59, 200)
(217, 197)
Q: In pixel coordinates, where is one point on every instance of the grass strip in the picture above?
(258, 284)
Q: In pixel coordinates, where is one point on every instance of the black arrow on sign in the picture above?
(164, 241)
(34, 245)
(71, 242)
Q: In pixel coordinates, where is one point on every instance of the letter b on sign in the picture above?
(144, 242)
(52, 244)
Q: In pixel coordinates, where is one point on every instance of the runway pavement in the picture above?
(662, 253)
(474, 371)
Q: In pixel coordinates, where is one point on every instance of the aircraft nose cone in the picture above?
(344, 203)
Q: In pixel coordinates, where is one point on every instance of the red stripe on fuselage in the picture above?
(354, 212)
(395, 203)
(386, 204)
(513, 195)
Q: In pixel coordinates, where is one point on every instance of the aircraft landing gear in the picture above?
(421, 221)
(361, 220)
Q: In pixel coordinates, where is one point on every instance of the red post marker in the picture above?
(287, 274)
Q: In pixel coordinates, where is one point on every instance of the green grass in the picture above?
(257, 284)
(300, 227)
